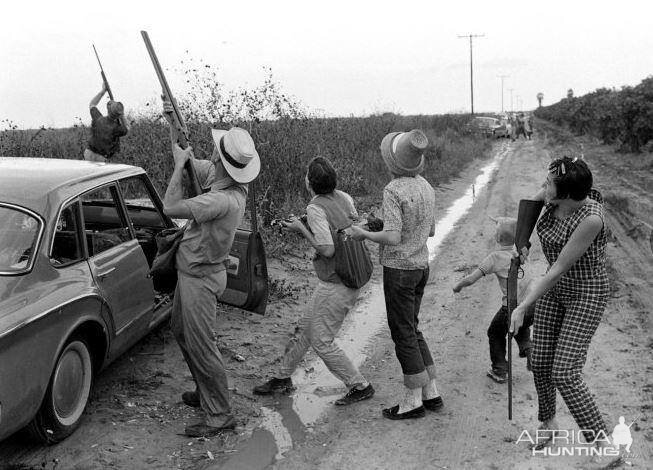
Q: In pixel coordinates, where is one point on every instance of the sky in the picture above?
(337, 58)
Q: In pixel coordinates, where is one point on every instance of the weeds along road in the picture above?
(472, 431)
(135, 414)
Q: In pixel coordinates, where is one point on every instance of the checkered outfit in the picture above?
(567, 317)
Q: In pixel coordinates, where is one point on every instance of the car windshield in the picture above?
(18, 236)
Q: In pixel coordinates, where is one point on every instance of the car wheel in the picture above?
(67, 394)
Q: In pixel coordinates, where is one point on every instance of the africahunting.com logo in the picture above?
(563, 442)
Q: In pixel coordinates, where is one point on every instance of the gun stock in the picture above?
(183, 135)
(104, 77)
(529, 212)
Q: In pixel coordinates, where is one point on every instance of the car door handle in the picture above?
(104, 274)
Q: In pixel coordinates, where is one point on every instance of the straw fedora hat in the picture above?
(237, 153)
(403, 152)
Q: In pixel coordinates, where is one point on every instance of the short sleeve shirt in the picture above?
(207, 240)
(408, 207)
(498, 263)
(318, 223)
(105, 134)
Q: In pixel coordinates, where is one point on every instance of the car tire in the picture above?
(67, 394)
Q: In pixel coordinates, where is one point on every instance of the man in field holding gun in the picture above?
(106, 131)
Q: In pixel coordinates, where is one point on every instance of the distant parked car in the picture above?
(489, 126)
(77, 240)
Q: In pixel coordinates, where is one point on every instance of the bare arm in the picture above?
(386, 237)
(167, 114)
(468, 280)
(296, 225)
(173, 202)
(577, 244)
(124, 122)
(96, 99)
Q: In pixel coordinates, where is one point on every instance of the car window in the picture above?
(66, 244)
(104, 223)
(139, 201)
(19, 233)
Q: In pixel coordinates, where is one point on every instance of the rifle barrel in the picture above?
(104, 77)
(165, 86)
(182, 134)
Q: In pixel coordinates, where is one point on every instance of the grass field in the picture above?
(285, 146)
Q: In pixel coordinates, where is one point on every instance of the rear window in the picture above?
(19, 234)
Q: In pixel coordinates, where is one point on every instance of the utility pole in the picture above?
(511, 108)
(471, 63)
(502, 77)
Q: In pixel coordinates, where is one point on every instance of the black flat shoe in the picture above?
(393, 413)
(434, 404)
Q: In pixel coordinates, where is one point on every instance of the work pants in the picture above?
(317, 329)
(194, 322)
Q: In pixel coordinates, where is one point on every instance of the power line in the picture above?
(502, 77)
(471, 63)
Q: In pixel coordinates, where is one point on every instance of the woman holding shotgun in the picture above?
(571, 296)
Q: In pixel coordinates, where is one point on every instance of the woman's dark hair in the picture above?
(572, 178)
(322, 176)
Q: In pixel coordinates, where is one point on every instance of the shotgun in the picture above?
(183, 135)
(104, 77)
(529, 212)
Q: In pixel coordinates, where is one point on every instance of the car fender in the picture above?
(38, 344)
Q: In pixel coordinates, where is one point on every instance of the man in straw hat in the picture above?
(408, 213)
(200, 260)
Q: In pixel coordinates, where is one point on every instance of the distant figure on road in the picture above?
(409, 220)
(513, 127)
(332, 300)
(106, 131)
(520, 126)
(498, 263)
(528, 126)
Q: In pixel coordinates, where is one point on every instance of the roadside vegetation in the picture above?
(622, 117)
(287, 136)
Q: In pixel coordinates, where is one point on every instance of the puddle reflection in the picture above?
(317, 388)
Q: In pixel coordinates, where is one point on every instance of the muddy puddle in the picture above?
(289, 419)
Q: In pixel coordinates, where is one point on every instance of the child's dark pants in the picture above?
(497, 335)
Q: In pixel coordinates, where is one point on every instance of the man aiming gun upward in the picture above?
(106, 131)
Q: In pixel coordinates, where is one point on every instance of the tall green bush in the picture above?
(623, 117)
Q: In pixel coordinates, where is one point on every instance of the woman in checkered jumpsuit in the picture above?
(571, 296)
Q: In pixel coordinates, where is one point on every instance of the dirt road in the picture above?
(135, 415)
(473, 431)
